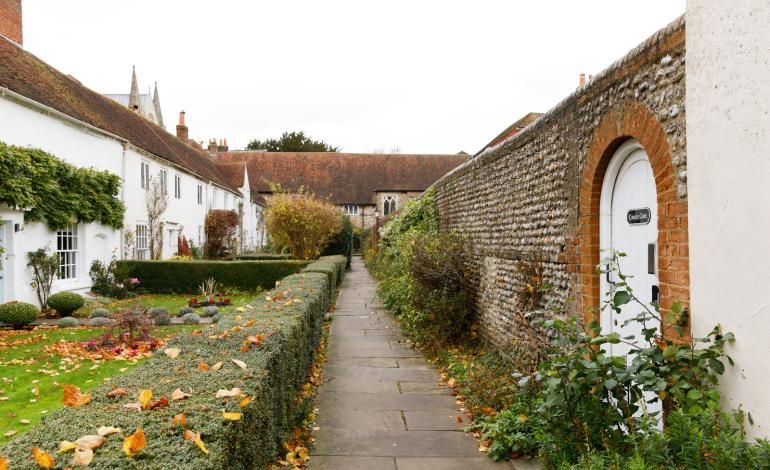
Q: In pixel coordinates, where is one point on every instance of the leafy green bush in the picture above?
(100, 313)
(109, 280)
(185, 310)
(99, 321)
(18, 313)
(163, 319)
(273, 376)
(66, 302)
(262, 256)
(157, 311)
(332, 266)
(210, 311)
(191, 319)
(185, 277)
(67, 322)
(342, 242)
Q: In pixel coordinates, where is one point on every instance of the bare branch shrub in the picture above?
(156, 200)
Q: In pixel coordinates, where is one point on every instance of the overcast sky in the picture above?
(418, 76)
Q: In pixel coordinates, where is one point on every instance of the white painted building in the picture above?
(45, 109)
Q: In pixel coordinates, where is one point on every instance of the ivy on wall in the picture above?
(55, 192)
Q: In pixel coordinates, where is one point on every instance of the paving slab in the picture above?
(362, 420)
(339, 462)
(395, 443)
(421, 420)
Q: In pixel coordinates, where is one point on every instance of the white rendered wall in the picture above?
(728, 165)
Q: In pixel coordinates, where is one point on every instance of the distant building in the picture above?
(146, 105)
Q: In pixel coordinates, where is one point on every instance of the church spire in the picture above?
(133, 98)
(156, 105)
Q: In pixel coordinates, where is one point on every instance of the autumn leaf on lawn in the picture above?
(301, 452)
(43, 458)
(159, 403)
(196, 438)
(179, 420)
(217, 366)
(9, 433)
(83, 457)
(118, 392)
(66, 446)
(231, 416)
(178, 394)
(90, 442)
(203, 366)
(238, 363)
(3, 463)
(256, 340)
(145, 398)
(133, 406)
(73, 397)
(173, 353)
(107, 430)
(134, 443)
(222, 393)
(245, 401)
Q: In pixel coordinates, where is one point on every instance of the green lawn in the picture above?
(30, 378)
(173, 302)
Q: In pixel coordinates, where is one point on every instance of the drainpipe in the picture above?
(123, 166)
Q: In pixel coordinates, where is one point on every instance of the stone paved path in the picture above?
(380, 406)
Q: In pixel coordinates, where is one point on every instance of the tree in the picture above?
(156, 200)
(302, 222)
(221, 228)
(45, 268)
(292, 142)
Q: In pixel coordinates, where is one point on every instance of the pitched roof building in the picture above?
(146, 105)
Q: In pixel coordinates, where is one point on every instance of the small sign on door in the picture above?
(639, 216)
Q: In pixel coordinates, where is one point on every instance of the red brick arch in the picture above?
(632, 119)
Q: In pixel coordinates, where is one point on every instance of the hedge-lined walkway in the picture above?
(381, 407)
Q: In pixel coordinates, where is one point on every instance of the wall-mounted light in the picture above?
(18, 228)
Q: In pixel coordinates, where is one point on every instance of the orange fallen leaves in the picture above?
(178, 394)
(196, 438)
(83, 457)
(134, 443)
(43, 458)
(245, 401)
(230, 416)
(73, 397)
(489, 411)
(4, 463)
(203, 366)
(118, 392)
(179, 420)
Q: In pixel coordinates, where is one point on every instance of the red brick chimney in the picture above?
(181, 128)
(212, 146)
(10, 20)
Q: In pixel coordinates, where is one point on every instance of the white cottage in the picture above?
(43, 108)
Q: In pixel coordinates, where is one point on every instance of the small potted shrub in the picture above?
(157, 311)
(67, 322)
(191, 319)
(65, 302)
(184, 311)
(210, 311)
(100, 313)
(98, 321)
(18, 314)
(162, 319)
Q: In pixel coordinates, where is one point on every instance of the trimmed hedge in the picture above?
(185, 277)
(333, 267)
(262, 256)
(275, 372)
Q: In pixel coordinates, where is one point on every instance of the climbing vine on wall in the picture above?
(55, 192)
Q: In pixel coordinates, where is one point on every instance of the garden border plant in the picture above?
(285, 328)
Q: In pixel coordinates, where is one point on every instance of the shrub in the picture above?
(332, 266)
(275, 373)
(67, 322)
(301, 222)
(155, 311)
(342, 242)
(108, 280)
(185, 310)
(18, 313)
(191, 319)
(100, 313)
(210, 311)
(216, 318)
(221, 228)
(130, 325)
(100, 321)
(185, 277)
(162, 319)
(66, 302)
(45, 268)
(262, 256)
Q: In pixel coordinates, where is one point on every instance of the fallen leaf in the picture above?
(217, 366)
(257, 340)
(107, 430)
(9, 433)
(240, 309)
(173, 353)
(133, 406)
(245, 401)
(24, 421)
(66, 446)
(522, 419)
(118, 392)
(237, 318)
(178, 394)
(222, 393)
(159, 403)
(196, 438)
(145, 398)
(459, 419)
(83, 457)
(203, 366)
(43, 458)
(489, 411)
(238, 363)
(134, 443)
(73, 397)
(302, 452)
(231, 416)
(90, 442)
(179, 420)
(3, 463)
(451, 382)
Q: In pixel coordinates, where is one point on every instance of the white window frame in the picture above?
(200, 194)
(226, 201)
(177, 187)
(350, 209)
(214, 195)
(201, 235)
(144, 175)
(163, 181)
(142, 241)
(67, 249)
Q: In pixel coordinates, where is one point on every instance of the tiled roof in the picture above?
(346, 178)
(29, 76)
(513, 129)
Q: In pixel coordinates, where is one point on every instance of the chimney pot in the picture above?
(181, 118)
(582, 79)
(181, 129)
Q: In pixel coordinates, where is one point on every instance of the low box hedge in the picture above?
(332, 266)
(275, 372)
(185, 277)
(262, 256)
